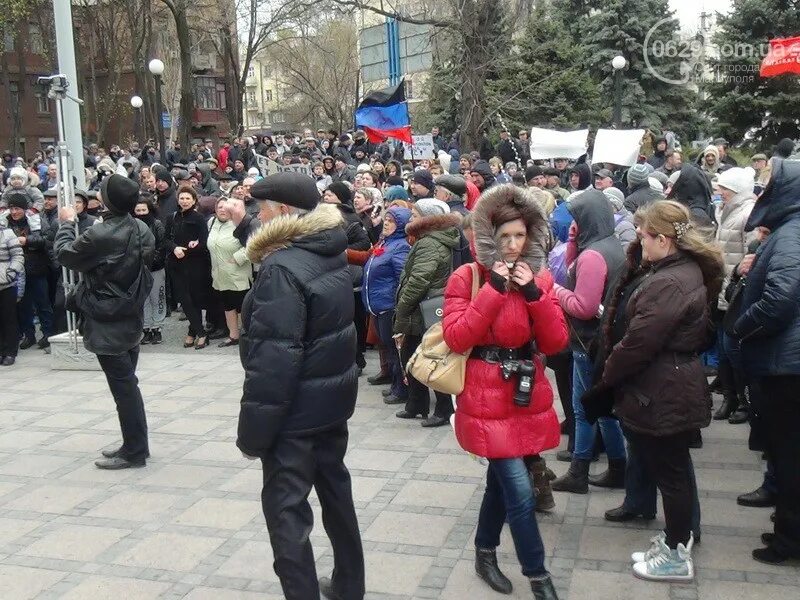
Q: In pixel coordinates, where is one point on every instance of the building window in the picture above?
(35, 40)
(14, 89)
(42, 101)
(209, 94)
(277, 117)
(251, 72)
(251, 99)
(409, 89)
(267, 95)
(265, 71)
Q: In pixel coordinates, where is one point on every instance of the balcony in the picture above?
(204, 117)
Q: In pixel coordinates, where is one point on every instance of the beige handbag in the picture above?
(434, 364)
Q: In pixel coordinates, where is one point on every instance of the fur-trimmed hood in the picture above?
(323, 224)
(525, 200)
(422, 226)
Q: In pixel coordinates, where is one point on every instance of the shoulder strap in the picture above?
(476, 276)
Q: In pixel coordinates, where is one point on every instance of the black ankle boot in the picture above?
(614, 477)
(576, 480)
(543, 589)
(487, 569)
(729, 404)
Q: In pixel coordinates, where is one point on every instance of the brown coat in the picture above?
(655, 370)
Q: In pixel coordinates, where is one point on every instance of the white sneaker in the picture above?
(653, 549)
(667, 564)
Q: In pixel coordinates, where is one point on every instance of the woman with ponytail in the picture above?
(659, 389)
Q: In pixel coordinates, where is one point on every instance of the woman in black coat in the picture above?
(187, 234)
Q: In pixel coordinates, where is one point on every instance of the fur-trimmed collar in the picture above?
(526, 202)
(422, 226)
(281, 231)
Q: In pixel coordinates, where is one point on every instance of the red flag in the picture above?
(783, 57)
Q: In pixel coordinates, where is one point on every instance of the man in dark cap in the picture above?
(421, 184)
(726, 159)
(114, 257)
(298, 349)
(482, 175)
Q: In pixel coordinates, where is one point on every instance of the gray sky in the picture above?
(688, 11)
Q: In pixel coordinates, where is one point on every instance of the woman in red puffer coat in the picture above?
(497, 418)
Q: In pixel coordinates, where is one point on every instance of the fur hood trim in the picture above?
(526, 201)
(422, 226)
(281, 231)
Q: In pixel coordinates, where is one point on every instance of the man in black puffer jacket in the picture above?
(114, 257)
(298, 349)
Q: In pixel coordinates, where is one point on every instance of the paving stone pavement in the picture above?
(189, 525)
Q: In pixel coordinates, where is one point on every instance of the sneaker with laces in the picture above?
(653, 549)
(667, 564)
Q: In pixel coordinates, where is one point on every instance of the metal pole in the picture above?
(162, 148)
(618, 98)
(65, 48)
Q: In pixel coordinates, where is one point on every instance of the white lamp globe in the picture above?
(136, 102)
(156, 66)
(618, 62)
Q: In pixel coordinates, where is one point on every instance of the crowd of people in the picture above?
(634, 284)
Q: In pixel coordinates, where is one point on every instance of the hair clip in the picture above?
(681, 228)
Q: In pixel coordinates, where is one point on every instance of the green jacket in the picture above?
(427, 268)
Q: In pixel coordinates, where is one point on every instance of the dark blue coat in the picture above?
(769, 326)
(383, 269)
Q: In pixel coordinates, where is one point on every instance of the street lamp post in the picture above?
(136, 103)
(618, 62)
(156, 67)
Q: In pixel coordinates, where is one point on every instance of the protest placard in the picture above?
(423, 147)
(617, 146)
(549, 143)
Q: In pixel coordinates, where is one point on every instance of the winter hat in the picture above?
(292, 189)
(120, 194)
(455, 184)
(342, 192)
(165, 176)
(363, 168)
(481, 167)
(423, 177)
(82, 193)
(674, 177)
(401, 216)
(638, 174)
(431, 207)
(662, 177)
(17, 200)
(395, 192)
(253, 172)
(18, 172)
(180, 175)
(394, 180)
(711, 150)
(615, 196)
(737, 179)
(655, 184)
(534, 171)
(759, 156)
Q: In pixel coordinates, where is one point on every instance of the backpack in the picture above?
(433, 363)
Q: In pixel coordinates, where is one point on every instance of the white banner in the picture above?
(270, 167)
(618, 146)
(423, 147)
(549, 143)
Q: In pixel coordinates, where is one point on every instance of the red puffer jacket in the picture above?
(488, 423)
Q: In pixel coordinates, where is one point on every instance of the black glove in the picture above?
(498, 282)
(531, 291)
(598, 401)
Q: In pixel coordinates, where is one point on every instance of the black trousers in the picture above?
(561, 364)
(360, 321)
(9, 331)
(780, 408)
(419, 397)
(293, 466)
(120, 371)
(667, 461)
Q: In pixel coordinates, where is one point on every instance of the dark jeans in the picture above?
(360, 321)
(383, 323)
(781, 414)
(641, 491)
(667, 462)
(9, 332)
(120, 371)
(291, 468)
(193, 312)
(509, 497)
(561, 364)
(36, 299)
(419, 398)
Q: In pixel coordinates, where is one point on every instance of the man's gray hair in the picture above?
(293, 210)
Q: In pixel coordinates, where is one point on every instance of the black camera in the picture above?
(525, 369)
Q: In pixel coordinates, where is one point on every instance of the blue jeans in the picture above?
(36, 298)
(509, 496)
(641, 492)
(383, 323)
(582, 370)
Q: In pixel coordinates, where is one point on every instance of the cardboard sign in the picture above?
(270, 167)
(617, 146)
(423, 147)
(549, 143)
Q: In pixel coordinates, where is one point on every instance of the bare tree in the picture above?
(179, 10)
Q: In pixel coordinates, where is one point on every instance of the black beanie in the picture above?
(394, 180)
(423, 177)
(292, 189)
(120, 194)
(342, 192)
(533, 171)
(165, 176)
(16, 199)
(784, 148)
